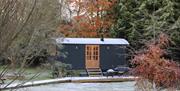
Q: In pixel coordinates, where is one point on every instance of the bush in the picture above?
(152, 67)
(60, 69)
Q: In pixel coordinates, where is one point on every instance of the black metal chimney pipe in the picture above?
(102, 37)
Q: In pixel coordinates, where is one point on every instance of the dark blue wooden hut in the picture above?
(85, 53)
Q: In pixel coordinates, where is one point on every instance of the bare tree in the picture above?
(26, 29)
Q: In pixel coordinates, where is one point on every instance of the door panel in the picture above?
(92, 56)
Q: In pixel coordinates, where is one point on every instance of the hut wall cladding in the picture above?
(74, 55)
(110, 56)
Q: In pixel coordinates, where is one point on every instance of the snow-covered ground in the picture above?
(68, 80)
(118, 86)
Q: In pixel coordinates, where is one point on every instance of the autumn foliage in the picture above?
(91, 18)
(150, 64)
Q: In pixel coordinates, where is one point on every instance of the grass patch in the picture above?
(37, 73)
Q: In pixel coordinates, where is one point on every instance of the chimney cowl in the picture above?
(102, 39)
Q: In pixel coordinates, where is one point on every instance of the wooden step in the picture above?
(94, 72)
(95, 75)
(95, 69)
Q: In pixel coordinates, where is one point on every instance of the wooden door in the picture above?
(92, 56)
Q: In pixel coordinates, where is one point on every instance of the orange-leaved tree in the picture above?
(152, 66)
(90, 18)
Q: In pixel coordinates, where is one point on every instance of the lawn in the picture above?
(37, 73)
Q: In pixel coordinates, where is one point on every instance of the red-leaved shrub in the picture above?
(150, 64)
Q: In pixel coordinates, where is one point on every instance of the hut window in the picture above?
(95, 53)
(89, 53)
(92, 52)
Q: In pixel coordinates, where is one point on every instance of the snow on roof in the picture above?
(117, 41)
